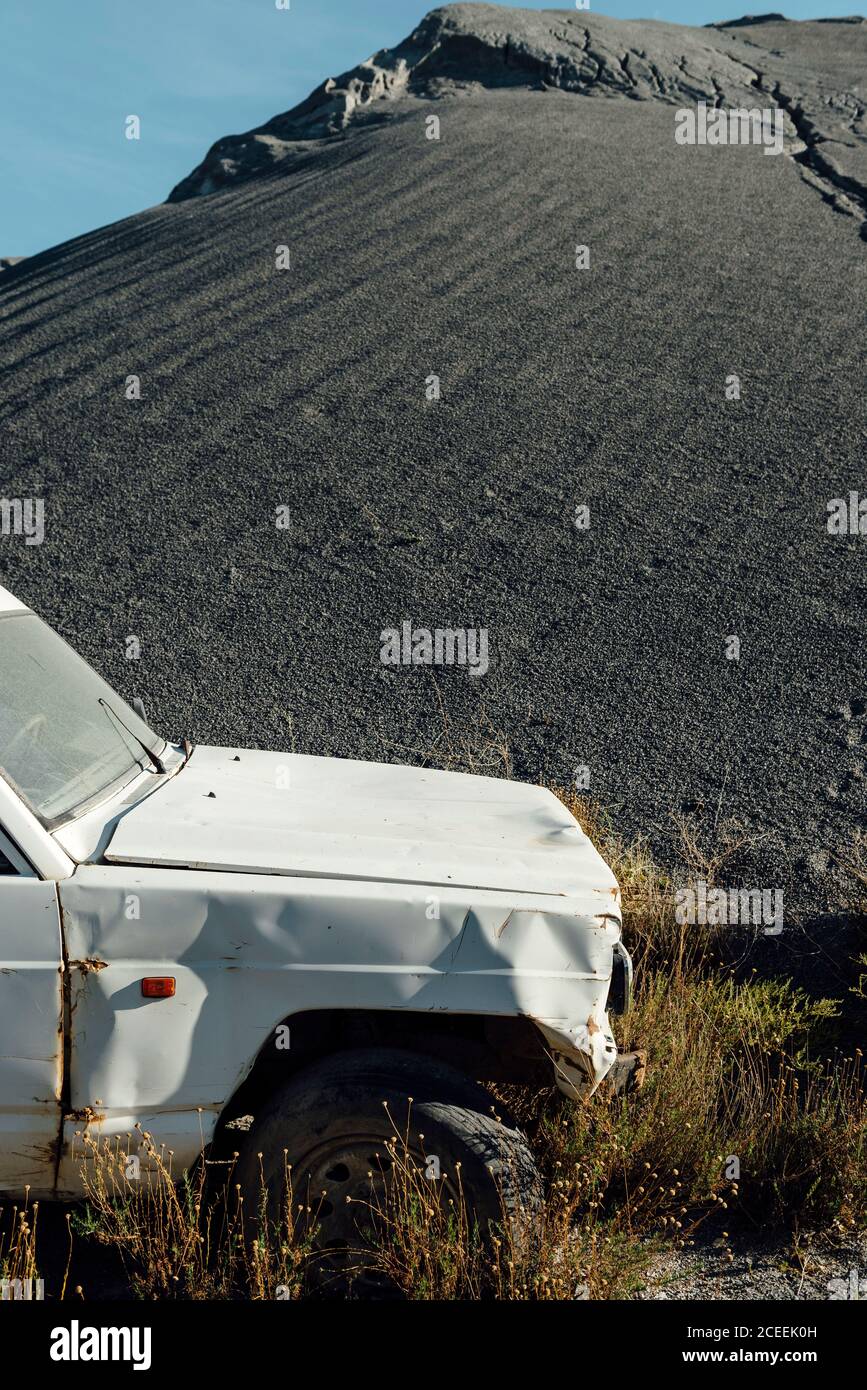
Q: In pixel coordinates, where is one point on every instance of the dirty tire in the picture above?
(329, 1122)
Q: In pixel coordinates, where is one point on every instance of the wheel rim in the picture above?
(357, 1167)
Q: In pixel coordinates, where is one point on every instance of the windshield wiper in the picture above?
(157, 762)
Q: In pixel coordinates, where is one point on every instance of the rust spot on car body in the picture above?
(86, 1115)
(90, 963)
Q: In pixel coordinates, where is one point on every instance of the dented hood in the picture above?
(278, 813)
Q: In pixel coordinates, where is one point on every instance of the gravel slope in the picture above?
(560, 387)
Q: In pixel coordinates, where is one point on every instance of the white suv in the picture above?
(192, 935)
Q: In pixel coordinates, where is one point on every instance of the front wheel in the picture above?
(366, 1136)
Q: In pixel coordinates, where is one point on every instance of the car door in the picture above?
(31, 1025)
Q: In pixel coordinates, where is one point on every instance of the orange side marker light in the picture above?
(158, 986)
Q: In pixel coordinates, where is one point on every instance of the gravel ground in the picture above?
(763, 1268)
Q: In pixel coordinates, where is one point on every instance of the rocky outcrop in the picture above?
(463, 47)
(749, 19)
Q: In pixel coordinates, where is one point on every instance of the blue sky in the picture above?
(192, 70)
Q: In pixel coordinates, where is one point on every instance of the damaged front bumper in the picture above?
(585, 1054)
(583, 1061)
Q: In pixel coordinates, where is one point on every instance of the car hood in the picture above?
(278, 813)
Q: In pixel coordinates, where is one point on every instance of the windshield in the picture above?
(65, 735)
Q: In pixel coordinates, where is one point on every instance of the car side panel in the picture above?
(249, 950)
